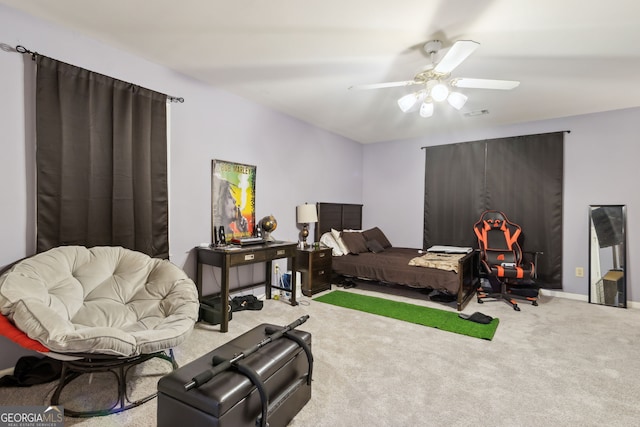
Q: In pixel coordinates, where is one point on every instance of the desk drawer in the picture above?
(247, 257)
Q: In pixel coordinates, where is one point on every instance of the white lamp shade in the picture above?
(439, 92)
(426, 109)
(306, 213)
(406, 102)
(409, 101)
(457, 100)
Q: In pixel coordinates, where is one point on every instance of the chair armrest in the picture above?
(533, 255)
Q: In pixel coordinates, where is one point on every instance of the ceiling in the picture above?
(299, 57)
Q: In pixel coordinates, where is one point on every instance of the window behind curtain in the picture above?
(520, 176)
(101, 161)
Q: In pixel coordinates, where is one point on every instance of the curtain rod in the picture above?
(24, 50)
(566, 130)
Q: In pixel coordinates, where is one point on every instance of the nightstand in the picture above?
(314, 265)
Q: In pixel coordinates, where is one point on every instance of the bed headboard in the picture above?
(339, 216)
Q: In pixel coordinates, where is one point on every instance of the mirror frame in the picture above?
(616, 282)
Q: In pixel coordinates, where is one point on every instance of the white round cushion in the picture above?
(105, 300)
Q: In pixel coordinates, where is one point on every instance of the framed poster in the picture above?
(233, 189)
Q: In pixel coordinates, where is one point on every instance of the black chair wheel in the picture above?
(516, 308)
(535, 303)
(480, 301)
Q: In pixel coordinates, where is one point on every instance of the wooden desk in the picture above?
(233, 256)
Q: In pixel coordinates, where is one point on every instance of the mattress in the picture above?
(392, 266)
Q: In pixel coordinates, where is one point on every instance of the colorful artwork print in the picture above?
(233, 199)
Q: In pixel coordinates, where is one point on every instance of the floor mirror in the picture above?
(608, 255)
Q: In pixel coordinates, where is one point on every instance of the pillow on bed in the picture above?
(376, 234)
(336, 235)
(374, 246)
(328, 240)
(354, 241)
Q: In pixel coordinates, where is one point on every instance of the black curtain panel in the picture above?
(454, 193)
(101, 161)
(520, 176)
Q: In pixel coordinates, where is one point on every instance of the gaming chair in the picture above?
(501, 259)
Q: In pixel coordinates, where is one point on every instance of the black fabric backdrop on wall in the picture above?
(521, 176)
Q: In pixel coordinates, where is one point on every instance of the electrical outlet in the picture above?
(579, 272)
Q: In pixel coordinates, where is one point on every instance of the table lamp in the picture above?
(306, 214)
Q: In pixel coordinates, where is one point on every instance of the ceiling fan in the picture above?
(437, 83)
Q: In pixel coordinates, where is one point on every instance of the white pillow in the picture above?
(328, 240)
(336, 235)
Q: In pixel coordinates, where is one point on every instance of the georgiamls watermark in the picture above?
(31, 416)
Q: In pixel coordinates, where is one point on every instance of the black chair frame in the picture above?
(90, 364)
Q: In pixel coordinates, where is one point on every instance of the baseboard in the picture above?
(561, 294)
(579, 297)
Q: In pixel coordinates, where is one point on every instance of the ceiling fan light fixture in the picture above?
(426, 109)
(407, 102)
(437, 84)
(439, 92)
(457, 100)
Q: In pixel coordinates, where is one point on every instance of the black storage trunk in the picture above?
(230, 399)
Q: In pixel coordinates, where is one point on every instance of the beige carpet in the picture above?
(563, 363)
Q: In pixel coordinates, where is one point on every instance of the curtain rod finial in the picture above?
(22, 49)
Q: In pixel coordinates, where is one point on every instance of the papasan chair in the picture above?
(103, 309)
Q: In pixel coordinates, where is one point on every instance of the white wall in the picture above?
(601, 167)
(291, 156)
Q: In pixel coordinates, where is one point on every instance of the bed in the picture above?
(372, 257)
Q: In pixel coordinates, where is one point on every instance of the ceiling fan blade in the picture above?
(485, 83)
(386, 85)
(458, 53)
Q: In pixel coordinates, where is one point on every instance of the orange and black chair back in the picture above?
(501, 254)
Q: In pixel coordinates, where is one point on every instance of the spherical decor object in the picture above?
(268, 223)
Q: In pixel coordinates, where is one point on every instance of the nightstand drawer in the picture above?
(321, 274)
(322, 264)
(321, 257)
